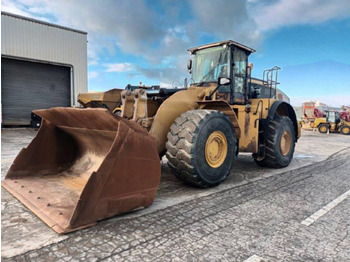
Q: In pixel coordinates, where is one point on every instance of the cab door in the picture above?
(240, 60)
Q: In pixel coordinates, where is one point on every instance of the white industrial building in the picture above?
(42, 65)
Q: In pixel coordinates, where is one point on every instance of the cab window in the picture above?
(240, 67)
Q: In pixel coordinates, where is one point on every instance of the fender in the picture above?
(280, 107)
(225, 108)
(169, 110)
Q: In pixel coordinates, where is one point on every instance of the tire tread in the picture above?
(180, 146)
(271, 159)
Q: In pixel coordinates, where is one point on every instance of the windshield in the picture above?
(331, 117)
(209, 64)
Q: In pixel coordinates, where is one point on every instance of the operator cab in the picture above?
(333, 117)
(226, 59)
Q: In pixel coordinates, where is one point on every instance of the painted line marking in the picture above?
(311, 219)
(253, 258)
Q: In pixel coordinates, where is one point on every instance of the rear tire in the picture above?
(201, 147)
(345, 130)
(280, 143)
(323, 128)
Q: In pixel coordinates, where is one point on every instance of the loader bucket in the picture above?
(84, 165)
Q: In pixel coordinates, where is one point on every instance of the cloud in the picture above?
(160, 32)
(226, 19)
(92, 74)
(281, 13)
(12, 7)
(119, 67)
(23, 10)
(130, 25)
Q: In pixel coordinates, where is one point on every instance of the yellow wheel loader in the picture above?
(332, 122)
(88, 164)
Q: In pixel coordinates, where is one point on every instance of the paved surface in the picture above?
(255, 213)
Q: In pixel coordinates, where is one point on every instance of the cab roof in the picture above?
(227, 42)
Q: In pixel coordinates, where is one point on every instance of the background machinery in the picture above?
(110, 99)
(332, 122)
(309, 114)
(88, 164)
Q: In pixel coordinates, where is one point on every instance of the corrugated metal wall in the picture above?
(33, 40)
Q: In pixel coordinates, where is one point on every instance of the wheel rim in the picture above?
(216, 149)
(323, 129)
(286, 142)
(346, 130)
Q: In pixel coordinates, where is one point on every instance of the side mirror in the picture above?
(224, 81)
(221, 82)
(189, 64)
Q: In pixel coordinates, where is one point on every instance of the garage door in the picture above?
(27, 86)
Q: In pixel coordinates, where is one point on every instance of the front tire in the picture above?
(345, 130)
(280, 144)
(323, 128)
(201, 147)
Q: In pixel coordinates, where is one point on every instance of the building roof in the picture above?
(42, 22)
(227, 42)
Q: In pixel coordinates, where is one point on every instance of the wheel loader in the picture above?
(332, 122)
(85, 165)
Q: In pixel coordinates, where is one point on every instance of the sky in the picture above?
(133, 41)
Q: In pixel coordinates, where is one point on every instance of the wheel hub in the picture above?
(216, 149)
(323, 129)
(286, 142)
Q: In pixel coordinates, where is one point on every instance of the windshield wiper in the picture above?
(207, 74)
(211, 70)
